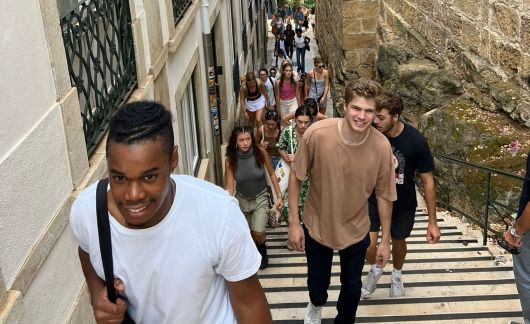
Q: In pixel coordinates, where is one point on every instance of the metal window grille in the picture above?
(99, 48)
(179, 8)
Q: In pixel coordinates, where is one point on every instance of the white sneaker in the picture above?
(370, 283)
(396, 287)
(313, 314)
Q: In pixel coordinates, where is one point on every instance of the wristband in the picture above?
(514, 233)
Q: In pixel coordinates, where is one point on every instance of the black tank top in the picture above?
(251, 96)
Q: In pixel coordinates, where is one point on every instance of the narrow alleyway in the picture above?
(308, 58)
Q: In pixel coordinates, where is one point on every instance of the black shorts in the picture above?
(401, 226)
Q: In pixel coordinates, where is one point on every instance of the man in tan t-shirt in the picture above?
(346, 160)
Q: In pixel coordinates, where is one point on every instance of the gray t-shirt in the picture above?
(250, 179)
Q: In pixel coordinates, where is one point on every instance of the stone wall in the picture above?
(347, 39)
(482, 46)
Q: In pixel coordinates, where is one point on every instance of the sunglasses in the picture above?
(320, 66)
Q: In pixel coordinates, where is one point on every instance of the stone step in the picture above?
(457, 280)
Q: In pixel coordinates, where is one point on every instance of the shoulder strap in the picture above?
(270, 79)
(315, 81)
(105, 243)
(292, 144)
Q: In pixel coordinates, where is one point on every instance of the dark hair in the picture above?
(231, 149)
(298, 30)
(284, 65)
(273, 69)
(303, 111)
(312, 104)
(263, 70)
(389, 101)
(140, 121)
(273, 115)
(365, 88)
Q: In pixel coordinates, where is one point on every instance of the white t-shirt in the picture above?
(270, 91)
(175, 271)
(299, 42)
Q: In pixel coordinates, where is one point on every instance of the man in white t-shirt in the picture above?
(181, 248)
(269, 85)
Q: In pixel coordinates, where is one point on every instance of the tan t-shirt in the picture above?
(341, 178)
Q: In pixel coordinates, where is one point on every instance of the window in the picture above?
(189, 131)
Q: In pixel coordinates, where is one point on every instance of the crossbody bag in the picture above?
(105, 244)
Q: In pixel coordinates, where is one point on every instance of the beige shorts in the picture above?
(255, 210)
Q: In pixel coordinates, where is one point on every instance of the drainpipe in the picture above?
(212, 92)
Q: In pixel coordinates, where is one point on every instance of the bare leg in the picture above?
(372, 249)
(259, 237)
(251, 119)
(260, 115)
(399, 251)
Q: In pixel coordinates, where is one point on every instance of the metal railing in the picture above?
(488, 195)
(99, 48)
(179, 8)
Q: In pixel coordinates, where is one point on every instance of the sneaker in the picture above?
(313, 314)
(370, 283)
(396, 287)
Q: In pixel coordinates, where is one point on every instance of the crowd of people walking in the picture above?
(342, 182)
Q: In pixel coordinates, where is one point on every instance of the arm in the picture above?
(264, 92)
(249, 302)
(104, 310)
(307, 81)
(272, 175)
(433, 232)
(287, 118)
(277, 94)
(295, 232)
(229, 178)
(326, 85)
(521, 225)
(242, 98)
(298, 95)
(384, 208)
(321, 116)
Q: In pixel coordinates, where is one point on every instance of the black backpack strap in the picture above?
(105, 243)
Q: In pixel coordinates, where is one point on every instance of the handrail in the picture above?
(489, 202)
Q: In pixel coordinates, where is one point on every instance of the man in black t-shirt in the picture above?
(411, 155)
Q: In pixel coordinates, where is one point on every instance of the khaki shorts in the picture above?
(255, 210)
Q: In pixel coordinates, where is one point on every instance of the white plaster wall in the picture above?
(164, 22)
(224, 21)
(57, 283)
(26, 83)
(138, 12)
(35, 181)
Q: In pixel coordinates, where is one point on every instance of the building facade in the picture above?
(67, 66)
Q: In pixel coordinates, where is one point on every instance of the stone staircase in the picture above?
(455, 281)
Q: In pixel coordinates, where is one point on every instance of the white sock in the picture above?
(376, 270)
(396, 273)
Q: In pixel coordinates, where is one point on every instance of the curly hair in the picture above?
(231, 149)
(141, 121)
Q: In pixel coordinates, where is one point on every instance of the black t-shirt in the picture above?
(289, 35)
(412, 154)
(525, 194)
